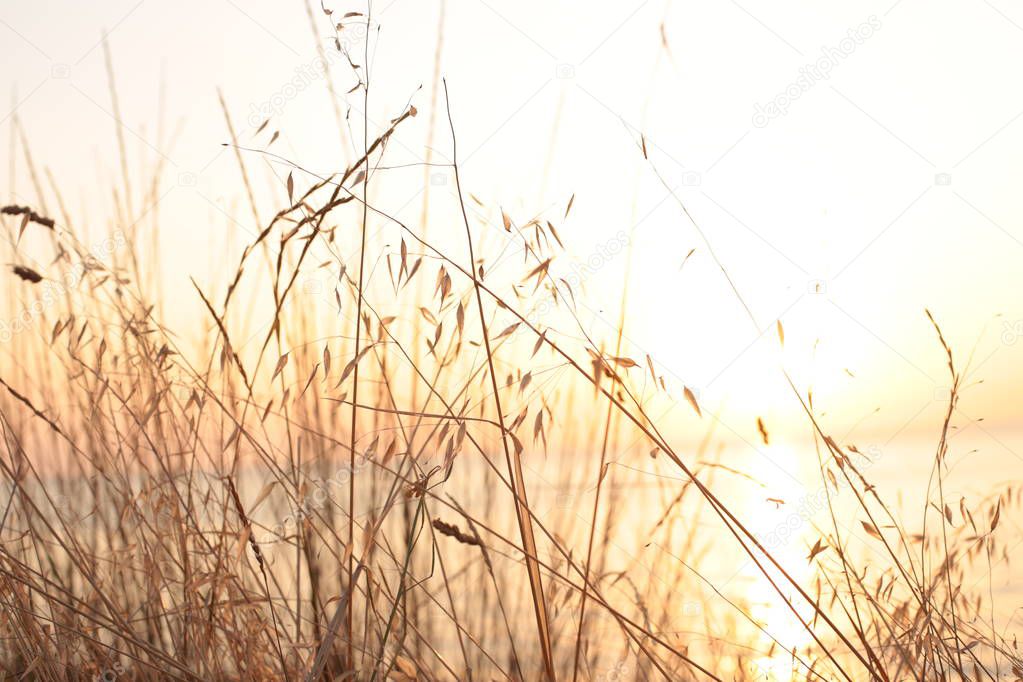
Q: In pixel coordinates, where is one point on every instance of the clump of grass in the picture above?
(343, 493)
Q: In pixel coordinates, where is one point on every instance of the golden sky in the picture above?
(849, 166)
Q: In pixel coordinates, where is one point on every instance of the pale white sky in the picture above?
(892, 181)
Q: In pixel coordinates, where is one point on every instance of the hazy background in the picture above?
(850, 166)
(888, 187)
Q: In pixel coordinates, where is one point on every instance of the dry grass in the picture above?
(343, 493)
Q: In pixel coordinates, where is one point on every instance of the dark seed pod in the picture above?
(27, 274)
